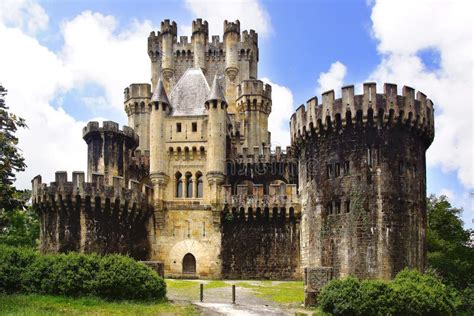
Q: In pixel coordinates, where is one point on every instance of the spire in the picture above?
(216, 91)
(159, 95)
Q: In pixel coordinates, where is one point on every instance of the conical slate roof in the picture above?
(189, 94)
(216, 91)
(159, 95)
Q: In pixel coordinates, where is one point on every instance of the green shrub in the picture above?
(422, 294)
(121, 277)
(340, 297)
(73, 274)
(376, 298)
(13, 263)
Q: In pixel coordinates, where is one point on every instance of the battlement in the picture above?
(254, 196)
(137, 91)
(233, 27)
(372, 107)
(154, 46)
(263, 154)
(77, 189)
(254, 87)
(200, 26)
(93, 128)
(250, 37)
(168, 27)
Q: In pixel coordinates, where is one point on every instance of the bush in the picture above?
(13, 264)
(340, 297)
(410, 293)
(73, 274)
(422, 294)
(123, 278)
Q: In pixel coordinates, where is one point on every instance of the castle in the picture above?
(193, 182)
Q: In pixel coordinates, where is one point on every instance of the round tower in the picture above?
(254, 102)
(199, 39)
(155, 54)
(169, 32)
(159, 109)
(216, 106)
(136, 100)
(109, 150)
(362, 176)
(231, 46)
(249, 53)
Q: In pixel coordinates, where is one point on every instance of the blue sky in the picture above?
(67, 62)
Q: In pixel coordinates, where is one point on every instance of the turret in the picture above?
(159, 109)
(169, 31)
(199, 40)
(216, 106)
(250, 52)
(136, 100)
(109, 150)
(155, 53)
(254, 101)
(231, 45)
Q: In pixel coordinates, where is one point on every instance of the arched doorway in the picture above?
(189, 264)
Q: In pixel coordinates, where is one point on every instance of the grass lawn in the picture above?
(58, 305)
(282, 292)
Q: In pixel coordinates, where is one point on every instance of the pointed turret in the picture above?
(159, 95)
(216, 93)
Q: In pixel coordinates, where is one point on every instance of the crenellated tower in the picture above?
(136, 100)
(199, 39)
(254, 104)
(109, 150)
(362, 176)
(169, 31)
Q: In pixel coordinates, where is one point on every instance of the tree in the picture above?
(449, 252)
(11, 158)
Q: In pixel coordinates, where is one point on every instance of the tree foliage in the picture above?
(448, 250)
(11, 158)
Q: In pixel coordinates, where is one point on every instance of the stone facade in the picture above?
(194, 184)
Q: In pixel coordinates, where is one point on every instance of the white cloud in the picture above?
(282, 108)
(250, 13)
(24, 14)
(332, 79)
(94, 52)
(404, 29)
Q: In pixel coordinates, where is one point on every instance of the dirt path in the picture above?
(218, 300)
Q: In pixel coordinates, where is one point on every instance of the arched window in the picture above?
(179, 185)
(199, 185)
(189, 185)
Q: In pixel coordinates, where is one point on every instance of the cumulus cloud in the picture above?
(24, 14)
(332, 79)
(404, 31)
(282, 108)
(94, 52)
(250, 13)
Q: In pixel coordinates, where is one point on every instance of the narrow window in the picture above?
(329, 171)
(347, 206)
(194, 127)
(337, 170)
(329, 208)
(178, 127)
(338, 207)
(199, 185)
(189, 185)
(369, 157)
(179, 185)
(203, 229)
(346, 167)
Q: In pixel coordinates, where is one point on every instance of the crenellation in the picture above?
(169, 27)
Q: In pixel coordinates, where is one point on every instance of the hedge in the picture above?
(73, 274)
(410, 293)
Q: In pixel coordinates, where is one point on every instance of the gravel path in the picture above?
(218, 301)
